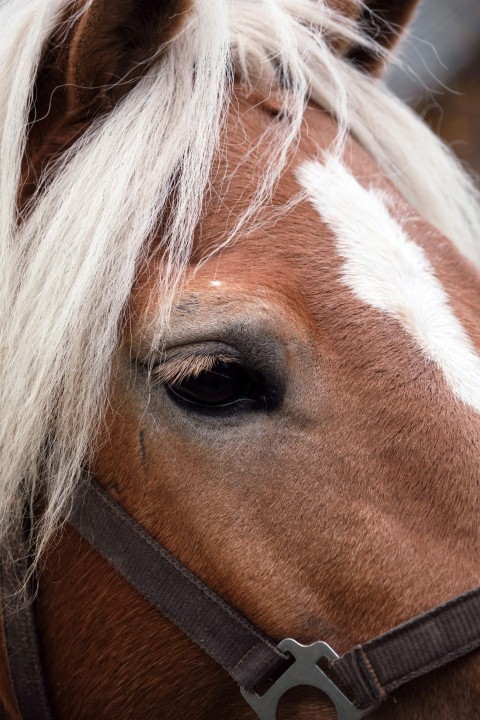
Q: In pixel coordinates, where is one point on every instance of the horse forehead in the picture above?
(351, 260)
(363, 253)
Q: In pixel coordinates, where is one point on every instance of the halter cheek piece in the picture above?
(356, 682)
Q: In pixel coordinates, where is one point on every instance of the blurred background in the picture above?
(442, 82)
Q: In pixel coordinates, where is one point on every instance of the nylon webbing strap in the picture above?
(366, 674)
(22, 643)
(240, 648)
(418, 646)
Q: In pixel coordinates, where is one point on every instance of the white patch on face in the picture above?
(386, 269)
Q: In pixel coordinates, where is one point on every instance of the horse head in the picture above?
(260, 334)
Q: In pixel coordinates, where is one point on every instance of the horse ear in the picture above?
(384, 21)
(108, 48)
(112, 44)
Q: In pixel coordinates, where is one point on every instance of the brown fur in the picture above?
(348, 510)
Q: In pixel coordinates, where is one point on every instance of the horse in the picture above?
(240, 289)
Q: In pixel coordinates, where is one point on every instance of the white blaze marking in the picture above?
(386, 269)
(215, 283)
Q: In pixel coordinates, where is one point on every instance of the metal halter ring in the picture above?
(304, 671)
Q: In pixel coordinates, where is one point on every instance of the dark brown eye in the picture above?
(225, 384)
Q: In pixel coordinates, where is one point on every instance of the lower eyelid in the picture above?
(198, 404)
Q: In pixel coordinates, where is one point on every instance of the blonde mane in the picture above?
(69, 265)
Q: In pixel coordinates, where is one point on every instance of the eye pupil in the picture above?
(224, 384)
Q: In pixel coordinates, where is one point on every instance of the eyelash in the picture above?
(178, 369)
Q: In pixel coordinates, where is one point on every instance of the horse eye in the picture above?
(224, 385)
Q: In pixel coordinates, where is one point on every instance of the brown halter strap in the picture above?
(20, 632)
(366, 675)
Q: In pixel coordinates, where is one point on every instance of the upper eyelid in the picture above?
(173, 370)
